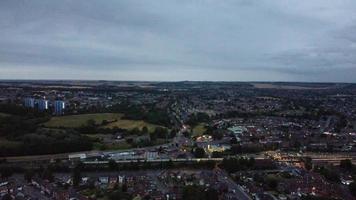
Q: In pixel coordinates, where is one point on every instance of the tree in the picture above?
(308, 163)
(186, 134)
(271, 181)
(330, 173)
(352, 188)
(161, 132)
(6, 172)
(48, 174)
(147, 197)
(104, 122)
(7, 197)
(251, 162)
(217, 135)
(216, 154)
(172, 134)
(88, 127)
(193, 192)
(76, 175)
(194, 119)
(233, 140)
(91, 123)
(169, 164)
(153, 136)
(235, 164)
(119, 195)
(145, 130)
(199, 152)
(211, 194)
(28, 175)
(113, 165)
(124, 187)
(236, 148)
(135, 131)
(346, 164)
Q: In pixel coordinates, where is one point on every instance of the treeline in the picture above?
(196, 118)
(14, 126)
(14, 109)
(152, 139)
(92, 127)
(232, 165)
(147, 113)
(20, 120)
(44, 141)
(193, 192)
(239, 114)
(22, 134)
(235, 164)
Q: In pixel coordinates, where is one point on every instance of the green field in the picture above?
(4, 115)
(4, 143)
(73, 121)
(199, 129)
(131, 124)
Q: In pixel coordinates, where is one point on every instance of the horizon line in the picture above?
(176, 81)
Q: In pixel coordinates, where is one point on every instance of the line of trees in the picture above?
(147, 113)
(47, 142)
(232, 165)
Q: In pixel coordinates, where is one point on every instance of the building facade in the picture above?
(59, 107)
(29, 102)
(42, 104)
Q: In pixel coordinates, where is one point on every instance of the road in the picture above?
(238, 193)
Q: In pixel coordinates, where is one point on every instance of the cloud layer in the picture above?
(240, 40)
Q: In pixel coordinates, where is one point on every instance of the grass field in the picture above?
(4, 115)
(131, 124)
(73, 121)
(107, 143)
(8, 144)
(199, 129)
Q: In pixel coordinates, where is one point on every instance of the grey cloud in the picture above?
(179, 40)
(334, 54)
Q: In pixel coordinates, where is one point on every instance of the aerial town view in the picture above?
(177, 140)
(177, 100)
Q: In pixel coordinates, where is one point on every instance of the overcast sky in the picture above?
(166, 40)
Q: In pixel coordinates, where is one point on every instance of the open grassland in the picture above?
(199, 129)
(131, 124)
(73, 121)
(4, 143)
(4, 115)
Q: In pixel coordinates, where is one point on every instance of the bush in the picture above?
(199, 152)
